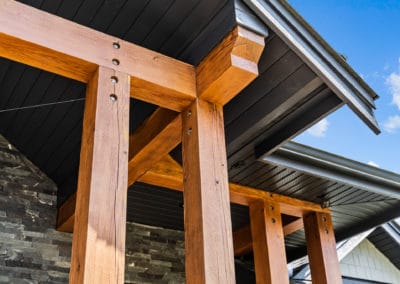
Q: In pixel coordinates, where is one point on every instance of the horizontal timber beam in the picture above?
(169, 174)
(162, 176)
(243, 242)
(45, 41)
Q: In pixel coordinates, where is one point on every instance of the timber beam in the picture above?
(148, 145)
(229, 67)
(48, 42)
(243, 242)
(168, 173)
(268, 242)
(321, 248)
(99, 233)
(154, 139)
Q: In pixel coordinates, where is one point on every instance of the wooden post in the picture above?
(268, 243)
(321, 248)
(98, 248)
(208, 229)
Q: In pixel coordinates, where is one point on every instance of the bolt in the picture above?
(273, 220)
(113, 97)
(116, 45)
(189, 131)
(115, 62)
(114, 79)
(189, 113)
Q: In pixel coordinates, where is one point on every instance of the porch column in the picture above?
(98, 247)
(321, 248)
(268, 243)
(208, 229)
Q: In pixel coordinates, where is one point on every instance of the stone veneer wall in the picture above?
(31, 251)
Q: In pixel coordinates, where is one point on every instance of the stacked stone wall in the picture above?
(32, 251)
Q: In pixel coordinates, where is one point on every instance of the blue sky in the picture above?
(367, 32)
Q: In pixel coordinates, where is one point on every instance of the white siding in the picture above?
(366, 262)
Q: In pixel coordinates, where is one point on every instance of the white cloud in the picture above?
(372, 163)
(392, 124)
(393, 82)
(319, 129)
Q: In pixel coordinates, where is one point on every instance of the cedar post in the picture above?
(208, 229)
(268, 242)
(98, 248)
(321, 248)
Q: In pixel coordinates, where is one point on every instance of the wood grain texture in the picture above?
(66, 215)
(98, 247)
(293, 226)
(268, 243)
(63, 47)
(152, 141)
(166, 173)
(321, 248)
(243, 242)
(169, 174)
(230, 66)
(208, 229)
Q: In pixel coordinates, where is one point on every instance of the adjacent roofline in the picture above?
(392, 228)
(280, 17)
(343, 249)
(326, 165)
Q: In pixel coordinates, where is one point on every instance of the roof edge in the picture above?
(320, 163)
(280, 17)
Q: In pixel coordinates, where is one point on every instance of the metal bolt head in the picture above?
(273, 220)
(114, 79)
(115, 62)
(116, 45)
(113, 97)
(189, 113)
(189, 131)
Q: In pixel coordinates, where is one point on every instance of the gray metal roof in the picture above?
(280, 17)
(386, 238)
(326, 165)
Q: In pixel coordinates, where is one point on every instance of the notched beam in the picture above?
(230, 66)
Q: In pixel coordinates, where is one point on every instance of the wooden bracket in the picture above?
(153, 140)
(229, 67)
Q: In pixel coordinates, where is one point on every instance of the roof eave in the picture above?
(319, 56)
(320, 163)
